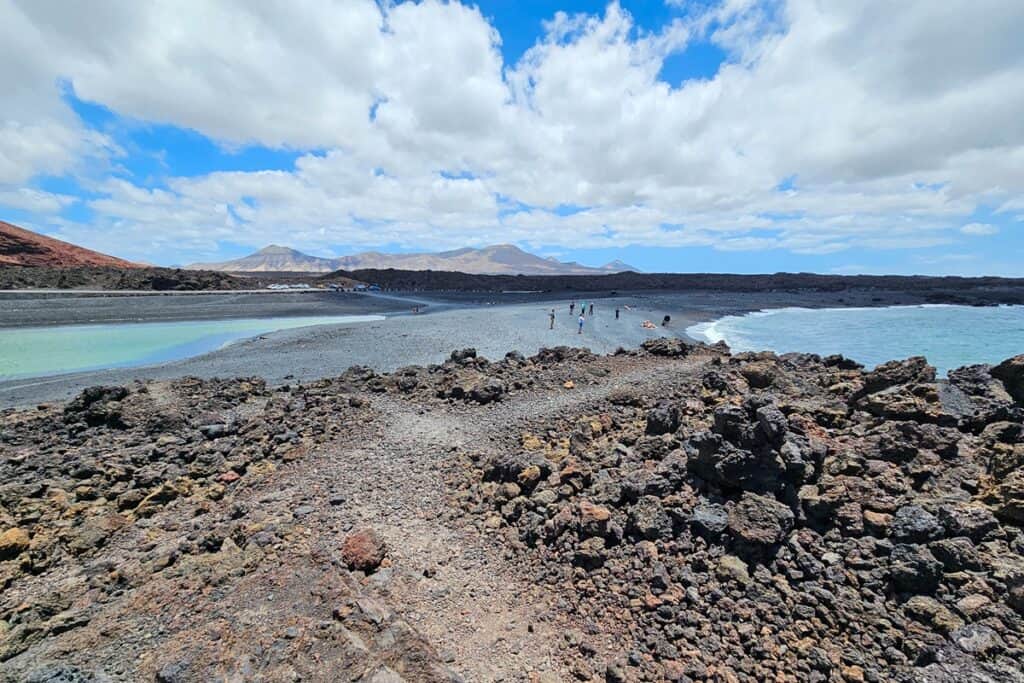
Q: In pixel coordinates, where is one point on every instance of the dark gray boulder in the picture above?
(758, 522)
(914, 524)
(914, 569)
(649, 519)
(709, 520)
(974, 521)
(662, 419)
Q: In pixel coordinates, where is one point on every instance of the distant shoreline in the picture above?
(491, 322)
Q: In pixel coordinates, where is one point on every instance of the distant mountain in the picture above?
(501, 259)
(276, 259)
(21, 247)
(618, 266)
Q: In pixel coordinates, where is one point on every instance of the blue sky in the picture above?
(737, 136)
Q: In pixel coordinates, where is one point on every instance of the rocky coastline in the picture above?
(674, 513)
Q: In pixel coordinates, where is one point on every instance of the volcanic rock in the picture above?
(914, 569)
(13, 542)
(1011, 373)
(664, 419)
(914, 524)
(757, 522)
(363, 550)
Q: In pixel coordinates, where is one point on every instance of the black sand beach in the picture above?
(493, 323)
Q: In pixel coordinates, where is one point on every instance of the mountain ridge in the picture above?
(22, 247)
(495, 259)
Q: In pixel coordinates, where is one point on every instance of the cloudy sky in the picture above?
(684, 135)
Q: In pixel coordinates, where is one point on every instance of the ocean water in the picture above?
(948, 336)
(39, 351)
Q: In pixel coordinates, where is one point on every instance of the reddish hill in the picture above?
(21, 247)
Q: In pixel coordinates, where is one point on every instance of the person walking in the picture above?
(583, 308)
(572, 305)
(551, 319)
(616, 313)
(591, 309)
(581, 321)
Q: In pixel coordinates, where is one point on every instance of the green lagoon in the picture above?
(40, 351)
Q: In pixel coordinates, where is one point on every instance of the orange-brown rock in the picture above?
(363, 550)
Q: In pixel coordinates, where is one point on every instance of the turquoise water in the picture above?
(38, 351)
(948, 336)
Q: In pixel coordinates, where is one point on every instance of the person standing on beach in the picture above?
(616, 313)
(551, 319)
(583, 308)
(581, 321)
(591, 309)
(572, 305)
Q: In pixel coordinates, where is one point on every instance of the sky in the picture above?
(677, 135)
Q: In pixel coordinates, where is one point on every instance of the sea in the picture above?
(948, 336)
(41, 351)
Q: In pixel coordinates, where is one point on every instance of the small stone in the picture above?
(972, 605)
(914, 524)
(853, 674)
(709, 520)
(933, 613)
(363, 550)
(529, 476)
(593, 518)
(732, 567)
(978, 640)
(877, 522)
(759, 521)
(175, 672)
(13, 542)
(972, 521)
(914, 569)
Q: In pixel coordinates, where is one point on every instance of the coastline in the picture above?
(493, 323)
(311, 353)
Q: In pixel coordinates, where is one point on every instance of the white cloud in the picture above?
(47, 146)
(979, 229)
(27, 199)
(897, 122)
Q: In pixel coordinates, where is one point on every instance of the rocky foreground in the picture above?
(674, 513)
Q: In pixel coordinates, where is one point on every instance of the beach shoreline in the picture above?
(493, 323)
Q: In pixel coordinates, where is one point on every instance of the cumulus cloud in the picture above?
(979, 229)
(27, 199)
(415, 132)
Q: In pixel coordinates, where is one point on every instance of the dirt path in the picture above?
(488, 621)
(174, 591)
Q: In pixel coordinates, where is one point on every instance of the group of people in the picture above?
(582, 319)
(586, 310)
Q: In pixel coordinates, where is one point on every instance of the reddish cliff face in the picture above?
(20, 247)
